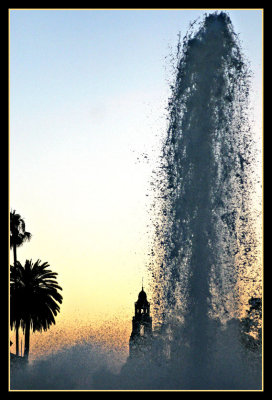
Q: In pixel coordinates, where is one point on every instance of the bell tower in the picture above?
(141, 335)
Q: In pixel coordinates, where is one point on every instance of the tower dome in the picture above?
(142, 296)
(142, 300)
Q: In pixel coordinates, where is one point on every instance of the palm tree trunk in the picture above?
(27, 339)
(17, 325)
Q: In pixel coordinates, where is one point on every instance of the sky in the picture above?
(88, 91)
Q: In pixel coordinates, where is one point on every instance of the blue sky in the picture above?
(102, 50)
(88, 90)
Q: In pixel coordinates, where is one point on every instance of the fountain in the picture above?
(205, 241)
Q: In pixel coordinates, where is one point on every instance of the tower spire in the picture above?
(142, 283)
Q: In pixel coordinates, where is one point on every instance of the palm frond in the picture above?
(35, 296)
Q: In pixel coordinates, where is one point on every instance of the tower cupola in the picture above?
(141, 326)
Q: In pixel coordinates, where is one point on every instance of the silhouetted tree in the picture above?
(18, 236)
(37, 292)
(252, 325)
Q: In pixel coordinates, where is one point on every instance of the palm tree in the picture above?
(37, 294)
(18, 236)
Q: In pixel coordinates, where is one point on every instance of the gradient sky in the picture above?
(88, 90)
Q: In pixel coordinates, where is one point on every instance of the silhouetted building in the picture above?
(141, 335)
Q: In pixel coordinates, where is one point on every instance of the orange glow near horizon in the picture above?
(112, 336)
